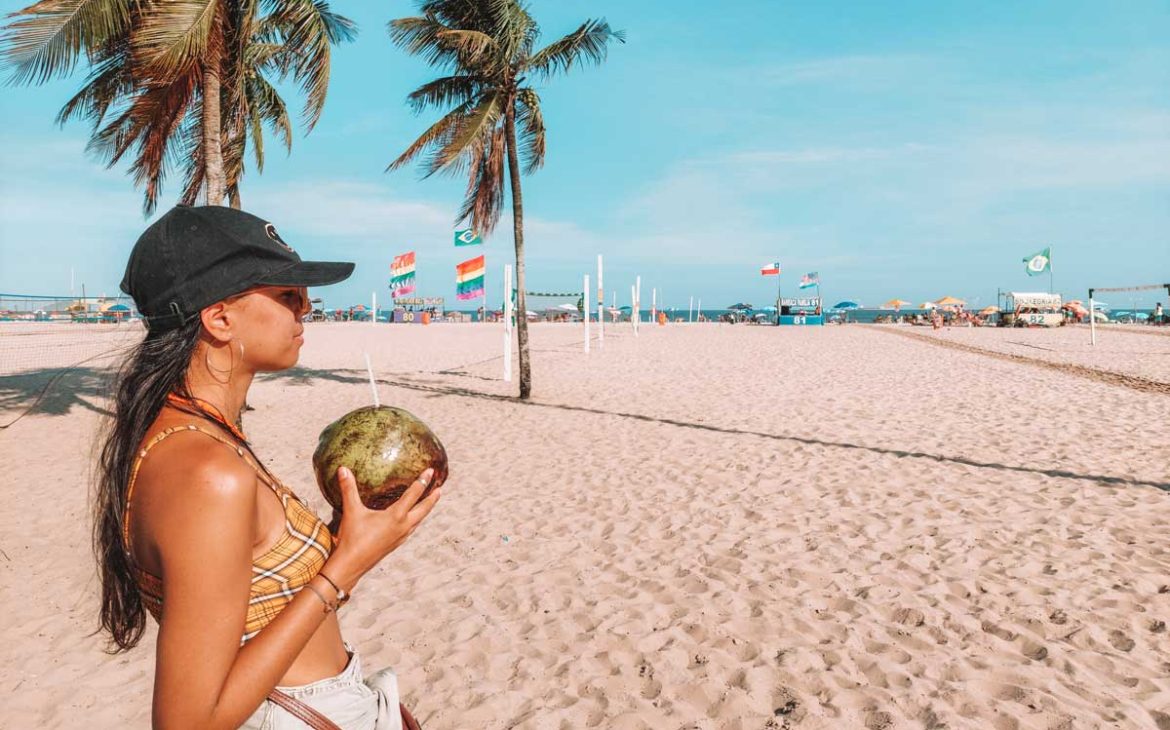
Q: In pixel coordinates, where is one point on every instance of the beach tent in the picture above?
(950, 302)
(896, 304)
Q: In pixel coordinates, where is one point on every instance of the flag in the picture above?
(467, 238)
(469, 279)
(402, 275)
(772, 269)
(1039, 262)
(810, 279)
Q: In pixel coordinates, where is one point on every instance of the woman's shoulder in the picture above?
(189, 467)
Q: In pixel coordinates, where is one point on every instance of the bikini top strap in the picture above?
(161, 436)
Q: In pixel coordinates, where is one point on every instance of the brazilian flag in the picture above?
(1039, 262)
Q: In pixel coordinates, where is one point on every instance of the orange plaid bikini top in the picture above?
(277, 575)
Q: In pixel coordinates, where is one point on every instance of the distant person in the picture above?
(1158, 316)
(193, 529)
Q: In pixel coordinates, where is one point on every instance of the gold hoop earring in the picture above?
(212, 370)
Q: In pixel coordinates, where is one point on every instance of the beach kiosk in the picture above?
(1032, 309)
(410, 310)
(800, 311)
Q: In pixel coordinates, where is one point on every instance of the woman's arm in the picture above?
(203, 678)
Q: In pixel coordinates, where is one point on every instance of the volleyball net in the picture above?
(49, 333)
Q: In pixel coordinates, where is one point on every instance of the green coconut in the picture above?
(386, 448)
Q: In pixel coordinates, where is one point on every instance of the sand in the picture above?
(707, 526)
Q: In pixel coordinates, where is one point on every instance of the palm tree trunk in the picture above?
(518, 237)
(213, 174)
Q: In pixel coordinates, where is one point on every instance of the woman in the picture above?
(190, 526)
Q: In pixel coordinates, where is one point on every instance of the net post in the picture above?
(600, 308)
(585, 309)
(1092, 321)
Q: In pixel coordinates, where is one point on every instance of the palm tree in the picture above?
(181, 80)
(486, 46)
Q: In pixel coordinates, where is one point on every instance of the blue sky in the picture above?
(901, 149)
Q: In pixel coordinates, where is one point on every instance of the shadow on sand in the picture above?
(54, 392)
(306, 376)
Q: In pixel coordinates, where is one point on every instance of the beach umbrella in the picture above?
(740, 307)
(767, 309)
(624, 308)
(846, 305)
(1100, 305)
(989, 310)
(568, 307)
(950, 302)
(927, 305)
(896, 304)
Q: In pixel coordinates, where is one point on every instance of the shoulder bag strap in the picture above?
(301, 711)
(317, 721)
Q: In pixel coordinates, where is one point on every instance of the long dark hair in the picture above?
(154, 368)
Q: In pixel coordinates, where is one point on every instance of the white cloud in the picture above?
(854, 70)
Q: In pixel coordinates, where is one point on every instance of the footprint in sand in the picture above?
(1120, 641)
(879, 720)
(997, 630)
(909, 617)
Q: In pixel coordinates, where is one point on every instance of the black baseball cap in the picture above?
(193, 257)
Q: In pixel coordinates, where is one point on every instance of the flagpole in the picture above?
(1051, 290)
(777, 294)
(820, 301)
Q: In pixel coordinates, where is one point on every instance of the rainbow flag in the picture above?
(402, 275)
(469, 279)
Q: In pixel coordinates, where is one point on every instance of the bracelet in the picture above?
(342, 596)
(329, 607)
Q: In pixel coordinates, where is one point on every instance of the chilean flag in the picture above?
(772, 269)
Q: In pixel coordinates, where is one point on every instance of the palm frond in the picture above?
(44, 40)
(470, 45)
(265, 105)
(189, 140)
(178, 34)
(445, 91)
(485, 184)
(310, 30)
(589, 43)
(455, 152)
(530, 130)
(110, 82)
(149, 125)
(437, 132)
(440, 45)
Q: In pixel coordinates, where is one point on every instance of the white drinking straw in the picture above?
(373, 388)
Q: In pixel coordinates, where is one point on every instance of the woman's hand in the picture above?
(365, 535)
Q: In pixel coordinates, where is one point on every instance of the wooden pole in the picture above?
(585, 309)
(600, 308)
